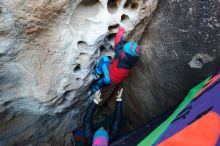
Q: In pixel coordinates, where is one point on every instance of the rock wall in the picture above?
(48, 49)
(181, 48)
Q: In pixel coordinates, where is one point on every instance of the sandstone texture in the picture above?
(48, 49)
(181, 48)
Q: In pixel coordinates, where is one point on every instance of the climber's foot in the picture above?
(95, 75)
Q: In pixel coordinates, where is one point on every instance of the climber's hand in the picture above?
(98, 99)
(118, 97)
(120, 92)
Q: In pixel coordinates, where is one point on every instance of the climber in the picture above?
(101, 137)
(127, 54)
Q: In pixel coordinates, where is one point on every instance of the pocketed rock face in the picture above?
(181, 48)
(48, 49)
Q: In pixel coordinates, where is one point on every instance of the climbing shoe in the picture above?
(95, 75)
(92, 90)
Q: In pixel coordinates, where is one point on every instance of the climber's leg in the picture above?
(106, 79)
(102, 68)
(102, 82)
(104, 63)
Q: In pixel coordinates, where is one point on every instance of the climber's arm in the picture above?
(87, 121)
(118, 37)
(117, 115)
